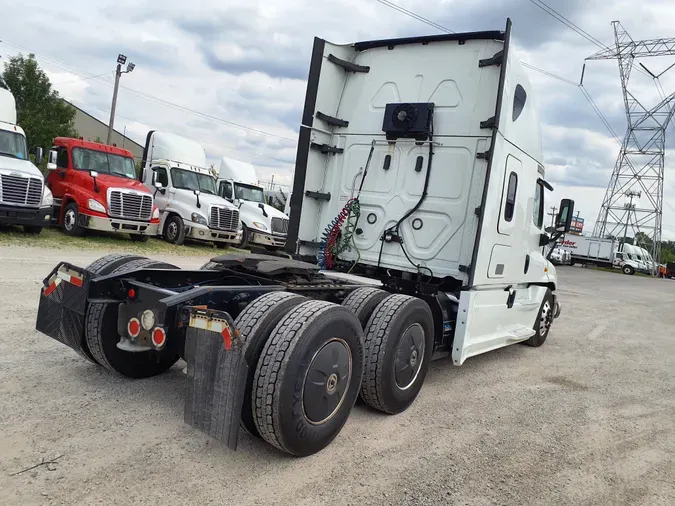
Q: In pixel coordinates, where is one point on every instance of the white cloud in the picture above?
(247, 64)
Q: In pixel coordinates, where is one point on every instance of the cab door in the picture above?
(57, 180)
(160, 174)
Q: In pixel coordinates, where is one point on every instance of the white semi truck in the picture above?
(262, 224)
(416, 232)
(24, 198)
(604, 253)
(185, 192)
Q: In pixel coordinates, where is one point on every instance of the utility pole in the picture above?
(552, 215)
(121, 60)
(629, 207)
(272, 183)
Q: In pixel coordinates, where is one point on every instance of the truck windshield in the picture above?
(104, 163)
(190, 180)
(248, 192)
(13, 144)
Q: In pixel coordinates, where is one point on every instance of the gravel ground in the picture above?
(586, 419)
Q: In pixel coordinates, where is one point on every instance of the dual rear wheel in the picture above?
(309, 360)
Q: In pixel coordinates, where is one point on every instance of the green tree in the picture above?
(40, 111)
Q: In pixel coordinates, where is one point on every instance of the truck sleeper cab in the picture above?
(186, 192)
(416, 232)
(262, 224)
(95, 188)
(24, 198)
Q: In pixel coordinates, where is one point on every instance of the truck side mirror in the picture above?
(51, 160)
(563, 221)
(38, 155)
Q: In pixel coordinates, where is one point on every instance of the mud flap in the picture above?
(216, 375)
(63, 304)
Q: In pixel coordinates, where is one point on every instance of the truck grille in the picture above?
(279, 226)
(224, 219)
(130, 206)
(20, 190)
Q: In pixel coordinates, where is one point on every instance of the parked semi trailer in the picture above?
(416, 232)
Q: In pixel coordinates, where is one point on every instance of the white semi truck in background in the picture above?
(262, 224)
(185, 192)
(24, 198)
(606, 253)
(416, 233)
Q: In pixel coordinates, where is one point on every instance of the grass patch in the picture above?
(54, 238)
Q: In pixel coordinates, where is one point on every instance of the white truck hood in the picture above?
(26, 168)
(252, 208)
(208, 200)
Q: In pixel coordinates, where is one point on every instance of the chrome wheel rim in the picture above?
(69, 220)
(172, 231)
(546, 318)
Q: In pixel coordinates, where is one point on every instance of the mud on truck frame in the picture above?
(394, 259)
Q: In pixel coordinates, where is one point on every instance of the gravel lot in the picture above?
(586, 419)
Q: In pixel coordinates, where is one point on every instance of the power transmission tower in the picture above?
(639, 165)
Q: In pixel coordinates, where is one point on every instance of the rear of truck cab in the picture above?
(447, 167)
(95, 188)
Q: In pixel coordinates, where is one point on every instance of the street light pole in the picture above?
(121, 60)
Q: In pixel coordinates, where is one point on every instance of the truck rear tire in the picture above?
(308, 377)
(256, 322)
(627, 269)
(107, 264)
(102, 337)
(101, 267)
(363, 301)
(542, 324)
(174, 230)
(71, 216)
(399, 343)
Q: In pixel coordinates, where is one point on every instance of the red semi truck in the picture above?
(95, 187)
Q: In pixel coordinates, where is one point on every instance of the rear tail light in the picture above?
(158, 337)
(134, 327)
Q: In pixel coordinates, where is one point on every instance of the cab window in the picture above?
(161, 176)
(538, 207)
(226, 190)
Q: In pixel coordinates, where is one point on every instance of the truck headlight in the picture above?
(47, 198)
(155, 214)
(259, 225)
(95, 205)
(198, 218)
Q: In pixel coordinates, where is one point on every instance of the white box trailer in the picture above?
(590, 250)
(418, 209)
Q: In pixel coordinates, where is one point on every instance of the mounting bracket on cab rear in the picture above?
(347, 65)
(408, 120)
(497, 59)
(327, 149)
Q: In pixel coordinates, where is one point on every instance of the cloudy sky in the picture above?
(203, 65)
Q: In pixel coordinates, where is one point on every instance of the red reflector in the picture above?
(131, 293)
(158, 336)
(133, 327)
(75, 281)
(50, 288)
(227, 337)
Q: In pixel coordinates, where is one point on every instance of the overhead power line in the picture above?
(147, 96)
(414, 16)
